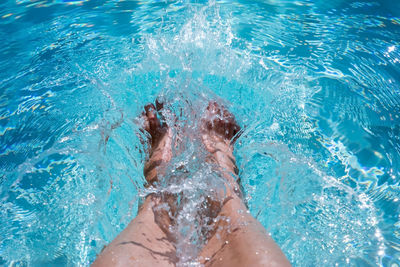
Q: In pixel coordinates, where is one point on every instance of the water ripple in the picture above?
(314, 85)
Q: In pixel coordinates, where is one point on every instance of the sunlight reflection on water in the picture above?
(313, 85)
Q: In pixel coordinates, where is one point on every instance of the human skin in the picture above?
(236, 238)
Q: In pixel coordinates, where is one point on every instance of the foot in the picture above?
(160, 140)
(160, 153)
(218, 130)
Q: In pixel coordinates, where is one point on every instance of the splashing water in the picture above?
(314, 86)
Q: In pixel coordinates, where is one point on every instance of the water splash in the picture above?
(314, 85)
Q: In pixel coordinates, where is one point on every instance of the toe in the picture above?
(159, 105)
(213, 108)
(153, 121)
(220, 120)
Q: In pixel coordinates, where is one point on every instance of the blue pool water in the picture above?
(314, 84)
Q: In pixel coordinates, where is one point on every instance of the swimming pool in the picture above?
(314, 84)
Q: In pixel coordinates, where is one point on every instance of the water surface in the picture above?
(314, 85)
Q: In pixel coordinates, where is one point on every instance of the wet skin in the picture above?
(235, 237)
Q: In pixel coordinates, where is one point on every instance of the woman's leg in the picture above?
(146, 240)
(142, 243)
(238, 239)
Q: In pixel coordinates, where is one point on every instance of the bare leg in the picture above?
(238, 239)
(146, 240)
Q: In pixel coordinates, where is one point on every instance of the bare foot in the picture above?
(160, 142)
(218, 128)
(160, 154)
(234, 234)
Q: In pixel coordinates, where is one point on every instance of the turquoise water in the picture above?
(314, 84)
